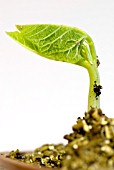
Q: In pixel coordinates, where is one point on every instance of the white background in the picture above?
(41, 99)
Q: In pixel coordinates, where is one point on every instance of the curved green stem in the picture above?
(91, 66)
(93, 98)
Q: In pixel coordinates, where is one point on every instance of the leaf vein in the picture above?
(38, 32)
(50, 34)
(56, 39)
(28, 32)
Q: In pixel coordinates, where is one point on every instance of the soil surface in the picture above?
(90, 146)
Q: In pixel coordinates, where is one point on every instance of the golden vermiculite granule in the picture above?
(90, 146)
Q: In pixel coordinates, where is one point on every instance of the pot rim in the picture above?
(10, 164)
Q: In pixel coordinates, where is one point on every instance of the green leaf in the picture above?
(57, 42)
(62, 43)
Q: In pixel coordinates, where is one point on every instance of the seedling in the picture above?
(91, 144)
(63, 43)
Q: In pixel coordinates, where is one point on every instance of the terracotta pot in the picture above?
(9, 164)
